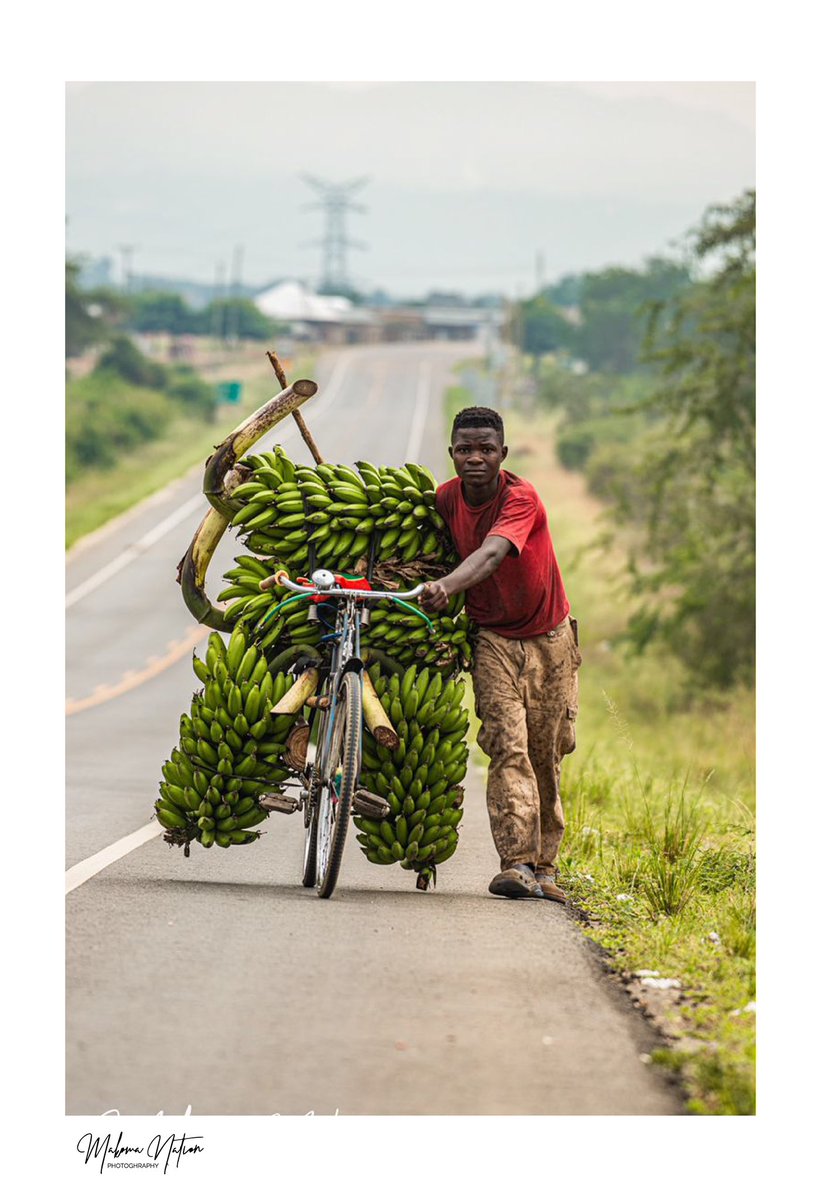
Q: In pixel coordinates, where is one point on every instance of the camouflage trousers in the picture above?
(526, 699)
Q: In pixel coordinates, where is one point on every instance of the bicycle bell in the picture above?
(323, 579)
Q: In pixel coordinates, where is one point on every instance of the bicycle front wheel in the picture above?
(339, 782)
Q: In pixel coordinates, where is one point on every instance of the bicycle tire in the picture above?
(309, 878)
(350, 712)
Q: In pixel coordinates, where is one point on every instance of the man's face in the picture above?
(477, 454)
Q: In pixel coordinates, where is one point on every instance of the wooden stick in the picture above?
(301, 423)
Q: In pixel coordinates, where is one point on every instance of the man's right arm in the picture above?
(479, 565)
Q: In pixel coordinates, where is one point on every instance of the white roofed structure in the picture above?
(291, 301)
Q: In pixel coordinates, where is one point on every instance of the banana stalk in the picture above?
(298, 693)
(216, 485)
(376, 716)
(191, 571)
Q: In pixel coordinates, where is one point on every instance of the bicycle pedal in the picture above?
(276, 802)
(367, 804)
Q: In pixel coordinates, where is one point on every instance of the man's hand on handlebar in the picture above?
(434, 597)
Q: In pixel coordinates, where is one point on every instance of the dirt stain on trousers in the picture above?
(526, 698)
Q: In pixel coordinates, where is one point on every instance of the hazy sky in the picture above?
(467, 182)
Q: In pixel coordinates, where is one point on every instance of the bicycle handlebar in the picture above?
(281, 579)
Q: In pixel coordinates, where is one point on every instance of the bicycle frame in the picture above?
(324, 746)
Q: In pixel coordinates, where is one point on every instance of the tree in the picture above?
(90, 315)
(614, 308)
(82, 328)
(241, 317)
(544, 328)
(123, 358)
(162, 312)
(692, 478)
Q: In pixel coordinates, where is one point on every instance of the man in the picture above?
(526, 656)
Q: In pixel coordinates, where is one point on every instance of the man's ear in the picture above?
(451, 452)
(504, 452)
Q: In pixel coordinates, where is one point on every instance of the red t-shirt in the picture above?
(525, 596)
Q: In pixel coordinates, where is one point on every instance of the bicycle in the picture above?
(333, 755)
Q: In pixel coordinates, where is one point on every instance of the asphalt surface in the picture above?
(218, 981)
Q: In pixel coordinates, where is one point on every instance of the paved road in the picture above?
(218, 981)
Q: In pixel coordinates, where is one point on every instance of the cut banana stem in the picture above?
(377, 718)
(245, 435)
(192, 568)
(296, 746)
(298, 693)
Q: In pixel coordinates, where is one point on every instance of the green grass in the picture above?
(99, 495)
(658, 856)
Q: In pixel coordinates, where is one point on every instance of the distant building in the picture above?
(442, 317)
(331, 318)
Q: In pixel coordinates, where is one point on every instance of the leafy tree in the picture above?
(614, 310)
(82, 328)
(691, 479)
(123, 358)
(162, 312)
(543, 326)
(565, 292)
(241, 317)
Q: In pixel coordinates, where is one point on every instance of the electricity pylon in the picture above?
(336, 202)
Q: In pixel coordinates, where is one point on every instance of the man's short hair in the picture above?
(478, 418)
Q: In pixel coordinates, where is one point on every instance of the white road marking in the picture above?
(421, 410)
(133, 552)
(179, 514)
(84, 870)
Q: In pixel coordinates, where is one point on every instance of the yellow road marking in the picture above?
(132, 679)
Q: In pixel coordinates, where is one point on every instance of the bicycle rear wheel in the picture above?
(339, 782)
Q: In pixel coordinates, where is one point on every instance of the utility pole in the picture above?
(126, 258)
(335, 201)
(233, 311)
(217, 313)
(539, 271)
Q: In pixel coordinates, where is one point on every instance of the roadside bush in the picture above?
(123, 358)
(192, 392)
(106, 417)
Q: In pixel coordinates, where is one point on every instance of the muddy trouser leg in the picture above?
(512, 793)
(551, 696)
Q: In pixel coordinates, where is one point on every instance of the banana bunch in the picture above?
(421, 778)
(256, 609)
(230, 749)
(408, 639)
(295, 517)
(285, 510)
